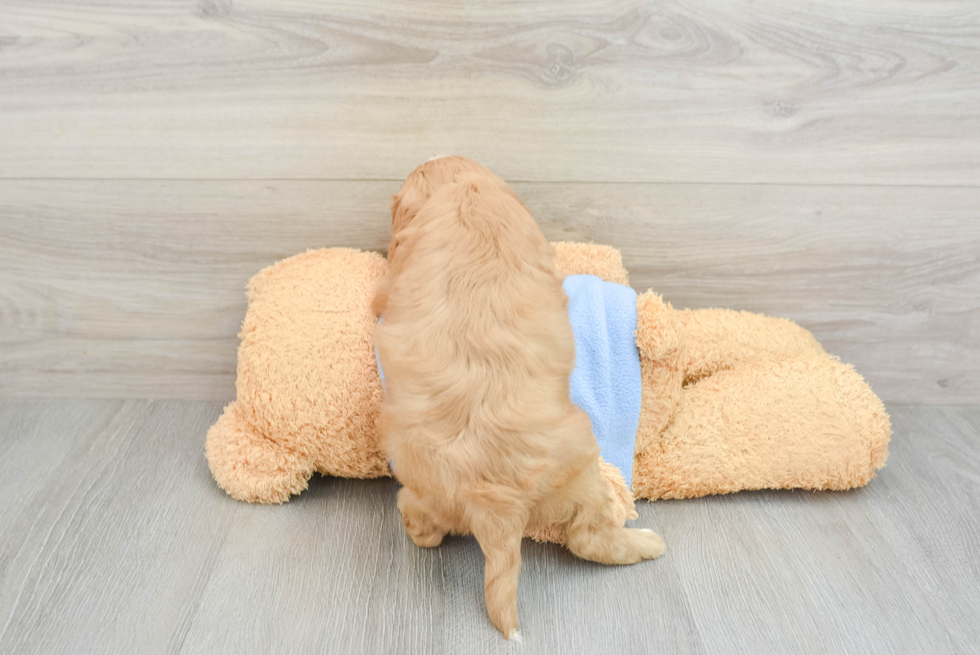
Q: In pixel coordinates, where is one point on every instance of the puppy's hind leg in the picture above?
(500, 540)
(595, 534)
(418, 524)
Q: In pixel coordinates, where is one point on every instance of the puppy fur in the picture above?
(477, 351)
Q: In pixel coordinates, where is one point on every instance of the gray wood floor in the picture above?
(115, 539)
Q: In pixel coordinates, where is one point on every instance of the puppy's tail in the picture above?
(499, 536)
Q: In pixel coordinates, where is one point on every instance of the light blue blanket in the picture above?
(606, 379)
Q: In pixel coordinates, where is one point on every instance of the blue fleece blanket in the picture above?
(606, 379)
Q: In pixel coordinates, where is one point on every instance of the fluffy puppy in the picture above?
(477, 351)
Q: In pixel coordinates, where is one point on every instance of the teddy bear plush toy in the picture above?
(684, 403)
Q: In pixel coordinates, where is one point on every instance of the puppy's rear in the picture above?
(477, 351)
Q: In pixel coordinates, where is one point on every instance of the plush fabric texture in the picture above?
(735, 401)
(308, 389)
(729, 400)
(606, 379)
(591, 259)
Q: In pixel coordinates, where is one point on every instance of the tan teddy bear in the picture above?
(730, 400)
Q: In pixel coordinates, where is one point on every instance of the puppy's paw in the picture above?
(423, 533)
(651, 544)
(428, 540)
(422, 529)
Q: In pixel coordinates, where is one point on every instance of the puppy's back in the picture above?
(476, 328)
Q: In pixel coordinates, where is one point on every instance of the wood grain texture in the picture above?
(881, 92)
(107, 556)
(116, 539)
(136, 288)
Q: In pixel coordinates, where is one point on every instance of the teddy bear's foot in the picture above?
(806, 422)
(250, 467)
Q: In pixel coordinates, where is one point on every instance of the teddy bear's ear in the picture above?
(604, 262)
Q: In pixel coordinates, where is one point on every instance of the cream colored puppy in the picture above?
(477, 351)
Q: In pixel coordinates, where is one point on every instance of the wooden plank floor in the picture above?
(115, 539)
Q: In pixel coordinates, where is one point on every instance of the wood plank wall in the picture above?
(818, 161)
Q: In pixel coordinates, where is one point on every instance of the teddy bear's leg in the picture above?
(418, 524)
(804, 421)
(250, 467)
(720, 339)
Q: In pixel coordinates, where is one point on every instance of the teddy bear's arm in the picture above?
(250, 467)
(661, 378)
